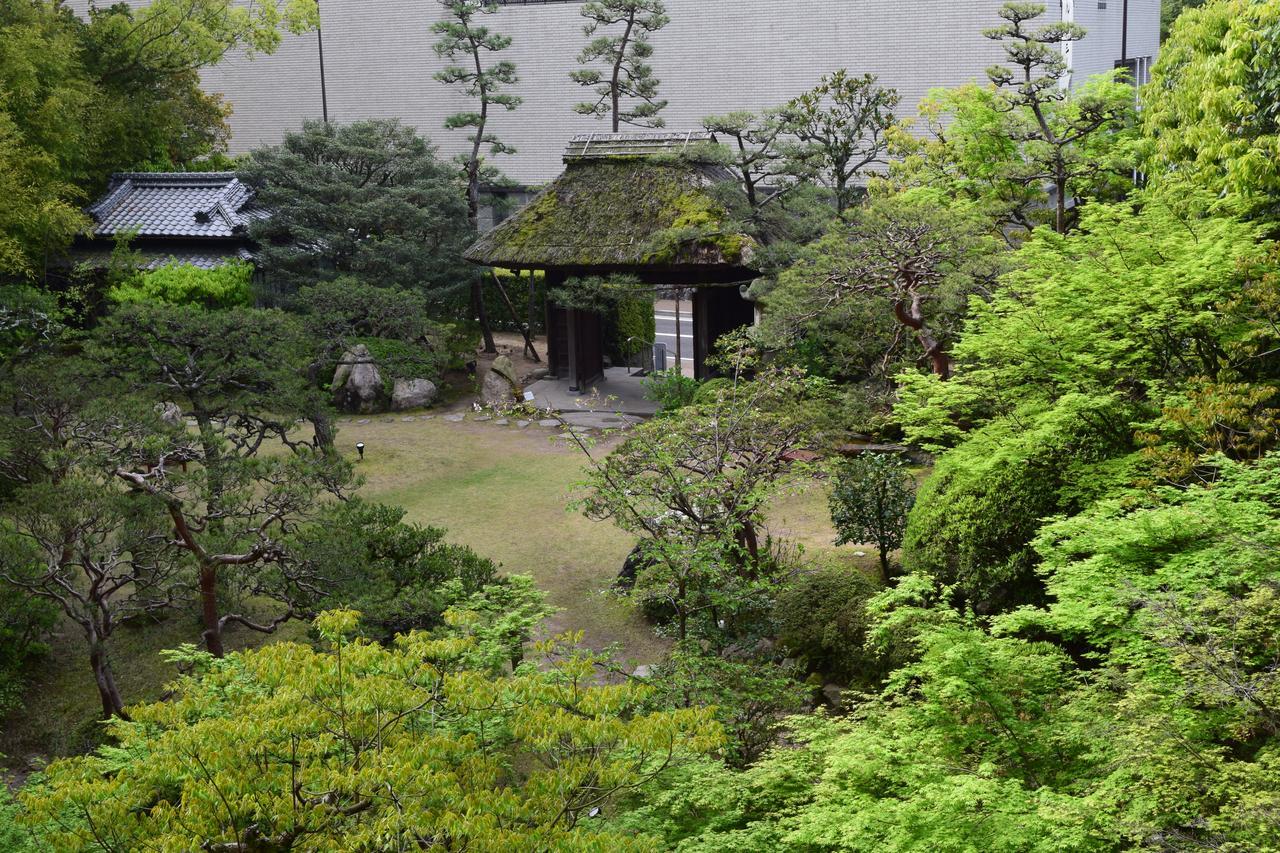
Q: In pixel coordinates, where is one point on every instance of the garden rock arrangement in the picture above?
(500, 384)
(357, 383)
(413, 394)
(358, 387)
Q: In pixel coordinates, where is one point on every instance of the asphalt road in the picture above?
(665, 322)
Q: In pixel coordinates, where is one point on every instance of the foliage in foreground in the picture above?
(1126, 350)
(361, 746)
(1160, 735)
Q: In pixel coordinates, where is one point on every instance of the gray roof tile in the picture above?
(173, 204)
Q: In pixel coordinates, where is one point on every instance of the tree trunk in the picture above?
(884, 563)
(912, 316)
(614, 91)
(1061, 214)
(324, 431)
(209, 611)
(108, 692)
(533, 299)
(482, 316)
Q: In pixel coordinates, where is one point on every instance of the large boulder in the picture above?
(497, 390)
(357, 383)
(503, 366)
(413, 394)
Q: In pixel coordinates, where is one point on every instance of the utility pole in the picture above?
(679, 334)
(324, 95)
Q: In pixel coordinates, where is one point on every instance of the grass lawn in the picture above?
(501, 490)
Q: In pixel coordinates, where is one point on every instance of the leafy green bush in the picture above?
(24, 624)
(13, 837)
(517, 287)
(401, 360)
(870, 502)
(401, 577)
(629, 326)
(184, 284)
(710, 390)
(670, 389)
(821, 617)
(751, 698)
(975, 518)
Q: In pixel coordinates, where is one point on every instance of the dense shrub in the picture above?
(750, 697)
(628, 326)
(975, 518)
(517, 287)
(176, 283)
(402, 360)
(24, 623)
(821, 617)
(670, 389)
(870, 502)
(401, 577)
(710, 390)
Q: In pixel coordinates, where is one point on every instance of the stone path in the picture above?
(580, 423)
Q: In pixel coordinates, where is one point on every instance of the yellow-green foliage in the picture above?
(176, 283)
(360, 746)
(1211, 112)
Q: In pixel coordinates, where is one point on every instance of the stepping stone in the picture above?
(549, 422)
(501, 422)
(455, 419)
(427, 418)
(483, 418)
(522, 424)
(407, 420)
(363, 421)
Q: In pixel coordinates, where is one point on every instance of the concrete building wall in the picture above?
(714, 56)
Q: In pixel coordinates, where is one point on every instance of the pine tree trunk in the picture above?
(209, 611)
(108, 692)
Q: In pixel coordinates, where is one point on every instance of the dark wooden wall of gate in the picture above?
(575, 345)
(716, 311)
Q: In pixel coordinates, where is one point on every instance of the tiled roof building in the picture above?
(201, 218)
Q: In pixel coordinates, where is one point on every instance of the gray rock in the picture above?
(539, 373)
(549, 422)
(357, 383)
(644, 670)
(408, 420)
(170, 413)
(498, 389)
(364, 421)
(501, 422)
(455, 419)
(503, 367)
(522, 424)
(413, 394)
(483, 418)
(833, 692)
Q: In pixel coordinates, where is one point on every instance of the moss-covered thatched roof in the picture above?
(645, 215)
